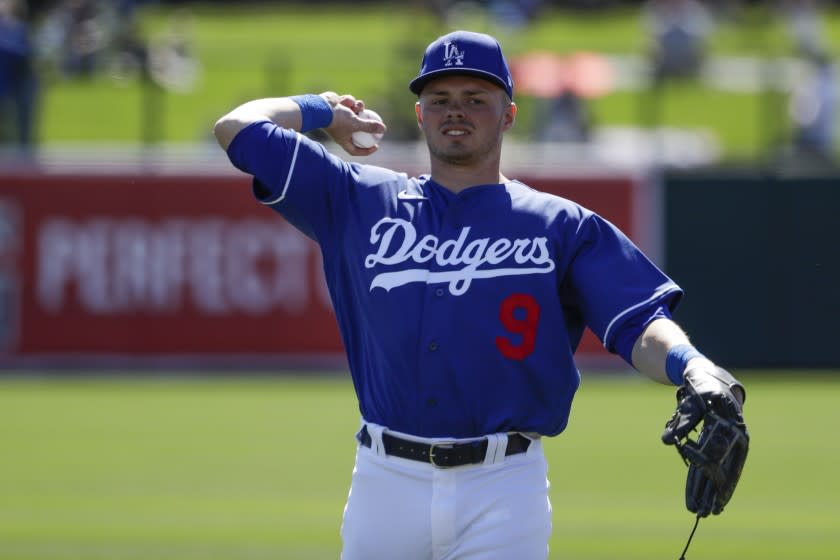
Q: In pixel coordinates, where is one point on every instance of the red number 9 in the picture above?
(525, 326)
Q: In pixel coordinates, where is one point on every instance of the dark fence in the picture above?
(759, 258)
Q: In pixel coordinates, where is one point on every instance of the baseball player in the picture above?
(461, 297)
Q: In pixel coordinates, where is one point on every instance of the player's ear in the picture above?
(509, 116)
(419, 113)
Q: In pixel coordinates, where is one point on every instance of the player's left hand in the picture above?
(346, 121)
(712, 395)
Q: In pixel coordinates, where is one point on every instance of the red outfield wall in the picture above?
(191, 271)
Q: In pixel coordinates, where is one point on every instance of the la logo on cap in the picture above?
(447, 55)
(451, 54)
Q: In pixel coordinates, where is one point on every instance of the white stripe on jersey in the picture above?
(288, 177)
(666, 288)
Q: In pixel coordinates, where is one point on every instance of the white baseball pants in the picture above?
(401, 509)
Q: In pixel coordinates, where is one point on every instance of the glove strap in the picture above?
(691, 536)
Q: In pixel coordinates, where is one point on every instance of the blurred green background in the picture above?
(107, 465)
(242, 51)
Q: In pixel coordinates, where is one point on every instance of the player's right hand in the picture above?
(346, 121)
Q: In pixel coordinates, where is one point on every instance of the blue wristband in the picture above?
(676, 360)
(315, 112)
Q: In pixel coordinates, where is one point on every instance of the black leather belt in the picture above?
(443, 454)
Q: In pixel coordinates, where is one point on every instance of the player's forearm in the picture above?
(337, 114)
(650, 351)
(282, 111)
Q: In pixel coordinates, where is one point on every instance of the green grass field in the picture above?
(161, 468)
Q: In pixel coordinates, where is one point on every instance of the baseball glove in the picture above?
(716, 458)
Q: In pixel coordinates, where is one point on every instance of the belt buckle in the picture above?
(432, 446)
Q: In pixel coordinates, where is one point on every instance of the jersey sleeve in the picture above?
(292, 174)
(619, 290)
(628, 331)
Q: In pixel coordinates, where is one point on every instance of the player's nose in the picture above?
(455, 107)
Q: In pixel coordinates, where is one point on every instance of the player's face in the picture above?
(464, 118)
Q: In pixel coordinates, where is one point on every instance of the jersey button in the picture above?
(433, 345)
(439, 292)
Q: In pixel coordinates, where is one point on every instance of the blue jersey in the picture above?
(460, 313)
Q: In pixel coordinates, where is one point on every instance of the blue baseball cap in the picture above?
(464, 52)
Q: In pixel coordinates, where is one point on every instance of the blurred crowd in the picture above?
(814, 98)
(41, 42)
(19, 88)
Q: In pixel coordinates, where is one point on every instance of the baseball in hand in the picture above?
(366, 139)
